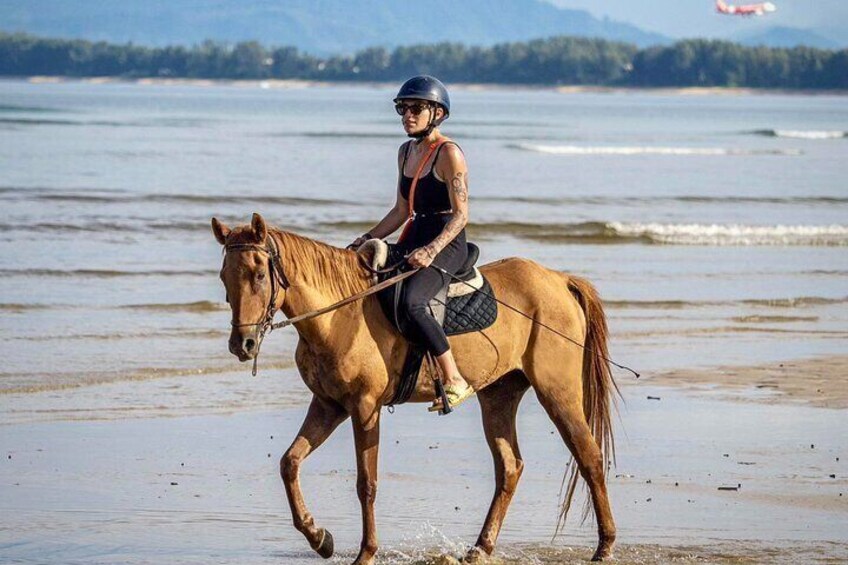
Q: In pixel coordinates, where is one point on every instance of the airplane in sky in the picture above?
(760, 9)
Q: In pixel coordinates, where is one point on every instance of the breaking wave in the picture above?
(717, 234)
(669, 234)
(578, 150)
(654, 200)
(802, 134)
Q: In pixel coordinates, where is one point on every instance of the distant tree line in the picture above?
(558, 60)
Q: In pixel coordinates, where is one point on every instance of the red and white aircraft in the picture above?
(747, 10)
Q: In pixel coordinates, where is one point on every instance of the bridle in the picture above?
(279, 282)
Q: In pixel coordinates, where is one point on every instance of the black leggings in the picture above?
(421, 287)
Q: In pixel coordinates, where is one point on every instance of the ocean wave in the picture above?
(732, 234)
(802, 134)
(13, 108)
(721, 331)
(757, 319)
(670, 234)
(103, 273)
(58, 122)
(181, 333)
(95, 226)
(116, 197)
(469, 134)
(654, 200)
(648, 233)
(796, 302)
(792, 302)
(200, 307)
(59, 380)
(577, 150)
(19, 308)
(106, 196)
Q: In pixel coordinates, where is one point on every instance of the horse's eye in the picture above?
(260, 276)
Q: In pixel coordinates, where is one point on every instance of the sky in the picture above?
(697, 18)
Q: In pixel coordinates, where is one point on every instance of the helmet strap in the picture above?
(431, 125)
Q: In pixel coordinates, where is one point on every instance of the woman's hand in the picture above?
(359, 241)
(422, 257)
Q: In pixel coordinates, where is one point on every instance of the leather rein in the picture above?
(279, 281)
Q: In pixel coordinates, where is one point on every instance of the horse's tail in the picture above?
(599, 388)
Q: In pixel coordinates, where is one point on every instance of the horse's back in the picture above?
(540, 294)
(534, 286)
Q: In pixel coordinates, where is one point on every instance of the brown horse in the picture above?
(351, 360)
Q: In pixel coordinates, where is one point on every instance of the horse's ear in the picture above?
(220, 231)
(259, 228)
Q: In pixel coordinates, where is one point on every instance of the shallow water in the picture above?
(206, 488)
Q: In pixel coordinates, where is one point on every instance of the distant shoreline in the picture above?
(283, 84)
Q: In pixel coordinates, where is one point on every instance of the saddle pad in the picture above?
(471, 312)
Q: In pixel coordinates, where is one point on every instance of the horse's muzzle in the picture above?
(244, 345)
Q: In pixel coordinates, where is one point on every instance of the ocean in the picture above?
(713, 226)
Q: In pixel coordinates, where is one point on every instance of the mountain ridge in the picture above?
(320, 27)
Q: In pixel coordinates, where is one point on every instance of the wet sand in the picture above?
(821, 382)
(202, 485)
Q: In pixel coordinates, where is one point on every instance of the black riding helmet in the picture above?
(425, 87)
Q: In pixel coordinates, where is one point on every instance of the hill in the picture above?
(320, 27)
(781, 36)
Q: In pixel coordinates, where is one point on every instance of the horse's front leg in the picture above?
(323, 417)
(366, 433)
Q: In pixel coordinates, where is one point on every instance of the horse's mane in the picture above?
(320, 265)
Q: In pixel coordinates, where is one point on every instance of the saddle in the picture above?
(465, 304)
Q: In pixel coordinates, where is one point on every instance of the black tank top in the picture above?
(431, 194)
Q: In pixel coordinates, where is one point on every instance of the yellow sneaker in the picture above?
(456, 396)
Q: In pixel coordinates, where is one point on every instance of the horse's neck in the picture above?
(319, 275)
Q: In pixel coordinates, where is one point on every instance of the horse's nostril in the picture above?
(249, 344)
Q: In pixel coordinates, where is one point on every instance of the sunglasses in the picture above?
(416, 109)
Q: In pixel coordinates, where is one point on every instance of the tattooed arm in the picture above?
(452, 168)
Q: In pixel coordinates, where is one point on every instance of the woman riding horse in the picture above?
(436, 206)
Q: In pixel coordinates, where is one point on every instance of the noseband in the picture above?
(278, 281)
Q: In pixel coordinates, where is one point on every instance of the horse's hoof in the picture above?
(602, 554)
(325, 548)
(475, 555)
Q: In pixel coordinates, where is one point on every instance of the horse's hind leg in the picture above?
(322, 418)
(566, 411)
(499, 403)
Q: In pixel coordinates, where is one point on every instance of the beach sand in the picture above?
(821, 382)
(198, 483)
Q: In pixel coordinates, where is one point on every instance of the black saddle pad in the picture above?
(471, 312)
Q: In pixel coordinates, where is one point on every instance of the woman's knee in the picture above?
(414, 303)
